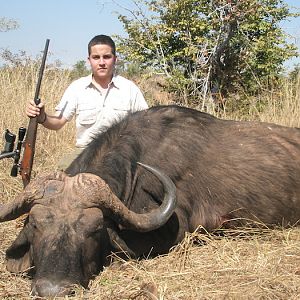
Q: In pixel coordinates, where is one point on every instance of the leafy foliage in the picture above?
(79, 69)
(208, 47)
(8, 24)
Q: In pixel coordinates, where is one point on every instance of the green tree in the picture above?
(8, 24)
(208, 46)
(79, 69)
(294, 74)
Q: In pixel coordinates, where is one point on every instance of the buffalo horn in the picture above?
(131, 220)
(24, 201)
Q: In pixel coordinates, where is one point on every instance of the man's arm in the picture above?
(53, 122)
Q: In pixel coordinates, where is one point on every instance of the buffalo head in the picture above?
(70, 227)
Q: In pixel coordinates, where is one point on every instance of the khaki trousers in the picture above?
(67, 159)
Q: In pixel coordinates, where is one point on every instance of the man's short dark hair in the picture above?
(102, 40)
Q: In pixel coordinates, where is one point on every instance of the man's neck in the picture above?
(101, 82)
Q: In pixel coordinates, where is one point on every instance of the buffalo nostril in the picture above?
(47, 288)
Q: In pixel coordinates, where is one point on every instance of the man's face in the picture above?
(102, 62)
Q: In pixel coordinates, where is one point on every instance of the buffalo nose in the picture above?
(47, 288)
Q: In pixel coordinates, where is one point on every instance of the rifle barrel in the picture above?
(41, 72)
(29, 144)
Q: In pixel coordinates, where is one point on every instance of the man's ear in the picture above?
(18, 257)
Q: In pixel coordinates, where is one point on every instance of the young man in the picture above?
(96, 100)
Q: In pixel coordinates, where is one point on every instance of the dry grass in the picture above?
(262, 265)
(284, 105)
(241, 265)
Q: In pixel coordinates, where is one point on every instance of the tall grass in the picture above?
(280, 105)
(259, 267)
(283, 105)
(18, 86)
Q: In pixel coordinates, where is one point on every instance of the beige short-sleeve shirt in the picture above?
(95, 110)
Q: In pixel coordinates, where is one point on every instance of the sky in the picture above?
(70, 24)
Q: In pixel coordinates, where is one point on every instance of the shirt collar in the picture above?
(114, 82)
(88, 80)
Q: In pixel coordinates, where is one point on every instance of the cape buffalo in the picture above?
(226, 173)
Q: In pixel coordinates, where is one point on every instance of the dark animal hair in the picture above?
(112, 155)
(207, 158)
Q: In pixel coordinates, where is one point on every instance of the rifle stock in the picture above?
(28, 151)
(30, 139)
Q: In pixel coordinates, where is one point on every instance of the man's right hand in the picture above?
(33, 110)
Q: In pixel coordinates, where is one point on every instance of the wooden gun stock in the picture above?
(28, 151)
(30, 139)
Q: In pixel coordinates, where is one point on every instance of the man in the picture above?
(96, 100)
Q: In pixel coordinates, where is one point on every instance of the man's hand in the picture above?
(33, 110)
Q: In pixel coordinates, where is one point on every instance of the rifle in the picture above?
(29, 145)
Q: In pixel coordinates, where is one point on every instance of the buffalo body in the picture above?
(226, 173)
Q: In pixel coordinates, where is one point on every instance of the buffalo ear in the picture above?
(119, 244)
(18, 257)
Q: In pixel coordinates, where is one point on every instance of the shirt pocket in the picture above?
(87, 114)
(120, 107)
(118, 113)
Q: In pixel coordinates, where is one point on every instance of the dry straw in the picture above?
(240, 264)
